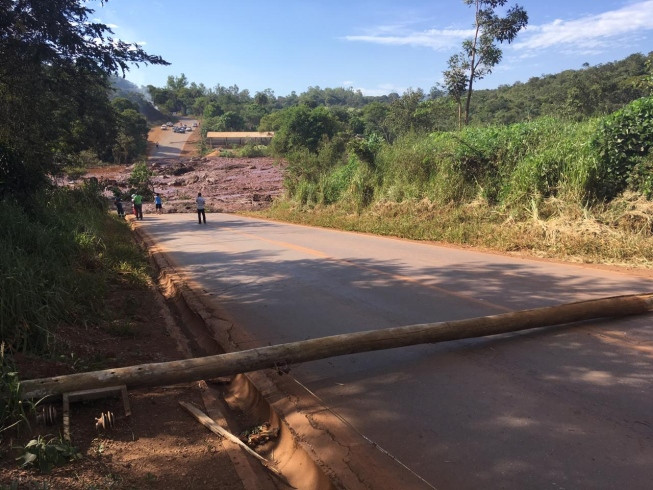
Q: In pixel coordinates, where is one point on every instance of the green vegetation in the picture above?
(47, 452)
(59, 254)
(553, 187)
(13, 412)
(55, 68)
(57, 257)
(480, 54)
(141, 180)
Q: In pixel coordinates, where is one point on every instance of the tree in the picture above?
(132, 135)
(302, 127)
(480, 54)
(141, 180)
(233, 121)
(456, 81)
(55, 64)
(401, 116)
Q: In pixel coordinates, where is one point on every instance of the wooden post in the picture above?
(167, 373)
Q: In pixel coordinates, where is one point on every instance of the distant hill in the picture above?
(577, 94)
(138, 95)
(572, 94)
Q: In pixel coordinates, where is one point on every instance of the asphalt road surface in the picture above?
(556, 408)
(170, 143)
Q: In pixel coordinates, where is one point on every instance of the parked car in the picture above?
(164, 127)
(169, 124)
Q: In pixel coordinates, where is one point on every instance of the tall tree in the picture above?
(55, 64)
(456, 81)
(481, 52)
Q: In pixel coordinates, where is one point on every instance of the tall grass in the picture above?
(532, 186)
(502, 164)
(57, 253)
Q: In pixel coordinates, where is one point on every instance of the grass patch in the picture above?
(57, 262)
(619, 233)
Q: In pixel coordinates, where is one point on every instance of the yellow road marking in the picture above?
(611, 338)
(397, 277)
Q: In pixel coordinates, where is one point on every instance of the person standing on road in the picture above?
(200, 208)
(158, 204)
(138, 205)
(119, 208)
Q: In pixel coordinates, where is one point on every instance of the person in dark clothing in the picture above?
(200, 208)
(119, 208)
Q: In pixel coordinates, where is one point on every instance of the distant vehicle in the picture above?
(189, 129)
(164, 127)
(169, 124)
(194, 124)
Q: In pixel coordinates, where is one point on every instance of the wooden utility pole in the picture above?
(167, 373)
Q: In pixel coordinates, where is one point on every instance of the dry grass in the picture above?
(615, 234)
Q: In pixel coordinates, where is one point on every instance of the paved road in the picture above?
(170, 143)
(555, 408)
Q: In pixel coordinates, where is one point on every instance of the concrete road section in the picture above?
(566, 407)
(170, 143)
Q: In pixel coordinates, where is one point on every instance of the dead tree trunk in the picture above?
(167, 373)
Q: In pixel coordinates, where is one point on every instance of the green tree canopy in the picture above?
(303, 127)
(480, 54)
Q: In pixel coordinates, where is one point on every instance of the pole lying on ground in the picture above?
(167, 373)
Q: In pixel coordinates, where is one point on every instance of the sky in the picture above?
(378, 47)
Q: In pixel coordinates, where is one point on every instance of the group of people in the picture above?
(137, 202)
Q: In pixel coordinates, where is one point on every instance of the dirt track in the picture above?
(227, 184)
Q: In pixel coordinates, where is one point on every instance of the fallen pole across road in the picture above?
(168, 373)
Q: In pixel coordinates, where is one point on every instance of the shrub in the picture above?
(620, 141)
(55, 263)
(12, 410)
(141, 180)
(251, 150)
(45, 454)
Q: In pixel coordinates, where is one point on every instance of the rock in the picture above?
(261, 197)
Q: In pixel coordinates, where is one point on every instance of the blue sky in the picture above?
(379, 46)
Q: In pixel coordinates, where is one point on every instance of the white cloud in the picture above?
(591, 33)
(381, 89)
(437, 39)
(586, 35)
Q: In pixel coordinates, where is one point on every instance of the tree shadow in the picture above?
(567, 406)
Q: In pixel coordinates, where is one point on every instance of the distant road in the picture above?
(555, 408)
(170, 143)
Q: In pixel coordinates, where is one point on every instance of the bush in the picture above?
(55, 261)
(251, 150)
(141, 180)
(45, 454)
(620, 141)
(12, 409)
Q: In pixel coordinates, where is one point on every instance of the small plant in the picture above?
(45, 453)
(141, 180)
(12, 410)
(250, 150)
